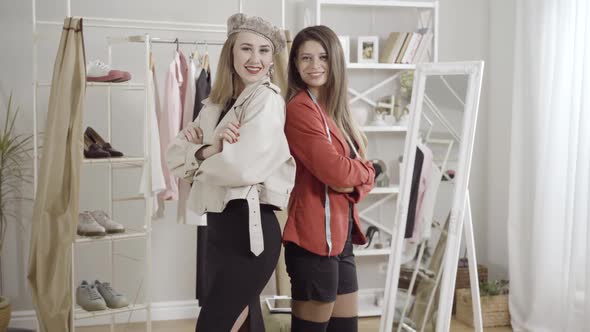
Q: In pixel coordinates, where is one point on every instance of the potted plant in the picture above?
(14, 152)
(402, 110)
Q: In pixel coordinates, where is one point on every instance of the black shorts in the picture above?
(321, 278)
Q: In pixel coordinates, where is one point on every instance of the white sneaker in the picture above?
(97, 71)
(88, 297)
(113, 299)
(105, 221)
(87, 225)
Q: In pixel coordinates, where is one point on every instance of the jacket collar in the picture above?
(334, 131)
(249, 90)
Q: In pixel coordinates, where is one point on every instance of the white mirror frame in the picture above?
(474, 71)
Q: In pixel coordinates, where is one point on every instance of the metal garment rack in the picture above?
(184, 42)
(111, 163)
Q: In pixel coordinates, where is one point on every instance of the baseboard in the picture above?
(174, 310)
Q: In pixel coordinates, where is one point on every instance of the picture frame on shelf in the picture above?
(345, 42)
(368, 49)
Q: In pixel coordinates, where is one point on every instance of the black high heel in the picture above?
(95, 138)
(93, 150)
(370, 235)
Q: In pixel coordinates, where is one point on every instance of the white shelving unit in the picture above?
(144, 232)
(83, 314)
(129, 234)
(112, 163)
(384, 190)
(372, 252)
(123, 85)
(109, 241)
(320, 12)
(135, 161)
(382, 66)
(379, 3)
(384, 129)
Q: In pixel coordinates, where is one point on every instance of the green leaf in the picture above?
(14, 153)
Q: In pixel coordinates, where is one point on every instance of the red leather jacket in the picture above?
(321, 163)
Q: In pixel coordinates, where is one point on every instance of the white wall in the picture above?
(464, 30)
(501, 65)
(470, 30)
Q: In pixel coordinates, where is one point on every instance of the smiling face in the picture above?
(313, 66)
(252, 57)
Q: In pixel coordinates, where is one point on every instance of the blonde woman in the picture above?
(237, 157)
(332, 176)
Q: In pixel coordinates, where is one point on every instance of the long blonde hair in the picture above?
(337, 105)
(224, 85)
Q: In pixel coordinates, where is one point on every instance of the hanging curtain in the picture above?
(548, 217)
(55, 213)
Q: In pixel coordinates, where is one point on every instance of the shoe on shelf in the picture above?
(370, 235)
(87, 225)
(97, 71)
(105, 221)
(88, 297)
(93, 150)
(96, 138)
(113, 299)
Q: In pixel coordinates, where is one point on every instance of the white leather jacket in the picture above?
(258, 167)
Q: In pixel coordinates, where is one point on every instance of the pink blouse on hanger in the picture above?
(170, 119)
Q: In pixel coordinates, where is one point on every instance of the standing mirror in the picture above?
(433, 203)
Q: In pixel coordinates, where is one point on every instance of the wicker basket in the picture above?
(5, 311)
(462, 280)
(494, 309)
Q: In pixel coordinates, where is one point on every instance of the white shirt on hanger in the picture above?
(157, 176)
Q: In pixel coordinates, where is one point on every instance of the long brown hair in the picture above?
(336, 98)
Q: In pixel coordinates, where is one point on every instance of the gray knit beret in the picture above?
(241, 22)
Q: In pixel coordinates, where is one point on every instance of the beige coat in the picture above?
(259, 167)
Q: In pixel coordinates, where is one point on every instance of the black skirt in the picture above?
(235, 276)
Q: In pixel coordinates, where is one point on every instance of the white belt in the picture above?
(255, 221)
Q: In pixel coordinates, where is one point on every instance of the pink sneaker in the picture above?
(96, 71)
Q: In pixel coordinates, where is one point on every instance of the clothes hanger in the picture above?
(152, 63)
(195, 54)
(177, 44)
(206, 58)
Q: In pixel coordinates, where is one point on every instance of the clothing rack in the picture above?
(157, 40)
(185, 42)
